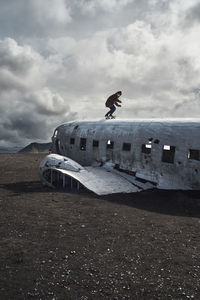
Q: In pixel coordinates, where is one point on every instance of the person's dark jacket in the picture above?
(113, 99)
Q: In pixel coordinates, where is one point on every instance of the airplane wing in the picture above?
(100, 180)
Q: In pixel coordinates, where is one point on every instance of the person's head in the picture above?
(119, 93)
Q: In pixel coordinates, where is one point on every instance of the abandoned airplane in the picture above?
(124, 156)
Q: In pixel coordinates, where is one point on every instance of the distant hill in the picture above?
(10, 149)
(36, 148)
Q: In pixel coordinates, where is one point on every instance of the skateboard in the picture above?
(110, 117)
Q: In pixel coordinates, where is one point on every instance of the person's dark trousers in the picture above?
(111, 111)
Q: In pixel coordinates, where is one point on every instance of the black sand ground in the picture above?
(56, 245)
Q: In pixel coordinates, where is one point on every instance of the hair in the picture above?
(119, 92)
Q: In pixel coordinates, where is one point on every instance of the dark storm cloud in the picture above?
(26, 126)
(29, 128)
(192, 15)
(28, 109)
(32, 126)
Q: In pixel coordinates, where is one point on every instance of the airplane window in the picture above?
(83, 144)
(95, 143)
(72, 141)
(110, 144)
(126, 147)
(168, 154)
(166, 147)
(146, 148)
(194, 154)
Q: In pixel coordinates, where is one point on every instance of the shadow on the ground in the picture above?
(24, 187)
(172, 202)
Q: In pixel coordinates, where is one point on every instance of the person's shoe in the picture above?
(113, 117)
(107, 117)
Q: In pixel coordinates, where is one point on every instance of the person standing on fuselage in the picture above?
(111, 102)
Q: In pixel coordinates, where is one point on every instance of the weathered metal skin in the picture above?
(164, 153)
(60, 171)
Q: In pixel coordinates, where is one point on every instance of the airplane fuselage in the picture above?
(165, 153)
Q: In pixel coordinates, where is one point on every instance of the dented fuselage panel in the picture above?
(165, 154)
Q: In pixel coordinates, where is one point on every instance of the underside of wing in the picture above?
(60, 171)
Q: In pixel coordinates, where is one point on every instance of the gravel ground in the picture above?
(56, 245)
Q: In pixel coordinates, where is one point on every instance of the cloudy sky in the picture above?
(61, 59)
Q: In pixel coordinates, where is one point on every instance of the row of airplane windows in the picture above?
(168, 153)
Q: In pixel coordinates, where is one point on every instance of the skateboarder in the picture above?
(111, 102)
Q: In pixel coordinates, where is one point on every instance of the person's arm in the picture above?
(117, 104)
(119, 100)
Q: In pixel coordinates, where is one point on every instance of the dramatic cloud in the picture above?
(94, 6)
(51, 11)
(34, 18)
(60, 60)
(193, 15)
(155, 69)
(28, 109)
